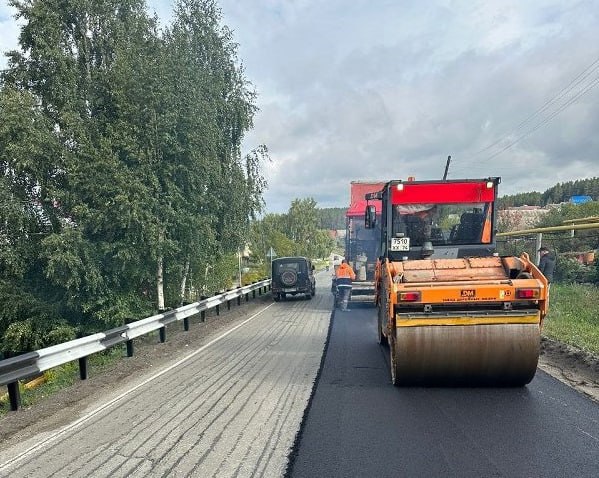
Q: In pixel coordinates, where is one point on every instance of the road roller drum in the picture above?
(496, 354)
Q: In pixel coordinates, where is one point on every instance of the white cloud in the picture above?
(383, 90)
(9, 29)
(387, 89)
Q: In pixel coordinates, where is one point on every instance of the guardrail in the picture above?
(33, 363)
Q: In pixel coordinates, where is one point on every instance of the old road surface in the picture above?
(359, 425)
(232, 408)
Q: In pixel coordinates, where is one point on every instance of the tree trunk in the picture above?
(184, 281)
(160, 284)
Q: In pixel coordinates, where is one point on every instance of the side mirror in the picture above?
(370, 217)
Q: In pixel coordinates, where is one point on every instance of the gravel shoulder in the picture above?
(569, 365)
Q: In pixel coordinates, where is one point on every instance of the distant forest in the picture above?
(331, 217)
(561, 192)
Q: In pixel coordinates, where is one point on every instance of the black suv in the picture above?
(292, 275)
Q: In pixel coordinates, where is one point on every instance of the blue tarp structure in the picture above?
(580, 199)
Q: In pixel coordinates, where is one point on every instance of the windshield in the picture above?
(443, 224)
(362, 241)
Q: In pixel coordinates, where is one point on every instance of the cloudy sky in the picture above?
(385, 89)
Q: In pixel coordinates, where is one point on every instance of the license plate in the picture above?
(400, 244)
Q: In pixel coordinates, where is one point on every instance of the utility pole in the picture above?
(271, 254)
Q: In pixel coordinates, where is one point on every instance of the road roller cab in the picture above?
(450, 309)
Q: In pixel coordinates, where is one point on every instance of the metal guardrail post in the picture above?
(83, 368)
(247, 297)
(203, 313)
(129, 348)
(186, 324)
(14, 396)
(162, 334)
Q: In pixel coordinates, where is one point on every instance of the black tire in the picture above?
(381, 318)
(288, 278)
(309, 296)
(393, 356)
(381, 321)
(277, 297)
(283, 296)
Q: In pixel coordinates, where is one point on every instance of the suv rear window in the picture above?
(285, 266)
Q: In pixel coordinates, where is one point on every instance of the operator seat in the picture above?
(415, 229)
(470, 228)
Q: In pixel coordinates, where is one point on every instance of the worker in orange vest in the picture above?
(345, 275)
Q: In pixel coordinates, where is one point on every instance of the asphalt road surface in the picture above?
(359, 425)
(231, 408)
(234, 406)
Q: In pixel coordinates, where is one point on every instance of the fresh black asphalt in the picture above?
(359, 425)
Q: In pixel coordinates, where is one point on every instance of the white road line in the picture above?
(53, 437)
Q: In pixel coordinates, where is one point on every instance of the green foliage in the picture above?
(255, 275)
(562, 192)
(557, 216)
(119, 151)
(522, 199)
(293, 234)
(581, 241)
(574, 316)
(302, 221)
(28, 322)
(331, 218)
(569, 270)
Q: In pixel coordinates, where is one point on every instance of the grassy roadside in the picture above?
(574, 316)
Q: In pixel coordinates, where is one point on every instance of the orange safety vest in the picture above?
(345, 272)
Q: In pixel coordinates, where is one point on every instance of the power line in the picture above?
(574, 83)
(588, 71)
(543, 122)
